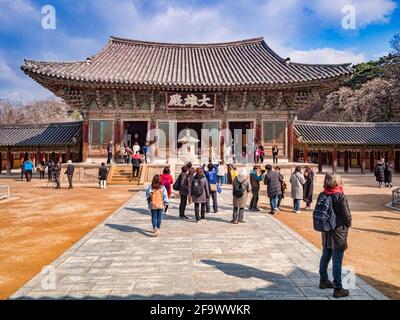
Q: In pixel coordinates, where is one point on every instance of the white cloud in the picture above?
(326, 56)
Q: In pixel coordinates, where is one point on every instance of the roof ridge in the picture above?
(349, 123)
(39, 125)
(255, 40)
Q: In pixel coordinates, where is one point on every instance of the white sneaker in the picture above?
(277, 210)
(298, 212)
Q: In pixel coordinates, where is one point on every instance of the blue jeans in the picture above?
(222, 179)
(337, 260)
(296, 204)
(156, 215)
(273, 202)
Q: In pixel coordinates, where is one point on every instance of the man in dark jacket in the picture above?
(308, 187)
(109, 152)
(103, 172)
(334, 242)
(380, 172)
(56, 174)
(70, 173)
(50, 167)
(256, 175)
(273, 180)
(182, 184)
(389, 174)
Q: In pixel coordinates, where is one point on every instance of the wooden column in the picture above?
(371, 160)
(290, 142)
(363, 162)
(391, 155)
(85, 140)
(334, 160)
(346, 161)
(305, 155)
(9, 161)
(320, 161)
(117, 134)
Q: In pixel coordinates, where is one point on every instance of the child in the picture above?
(157, 199)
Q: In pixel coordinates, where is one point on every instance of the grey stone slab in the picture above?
(214, 260)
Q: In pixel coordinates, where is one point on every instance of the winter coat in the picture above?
(255, 181)
(203, 185)
(380, 172)
(167, 182)
(164, 196)
(136, 160)
(211, 175)
(337, 239)
(297, 181)
(273, 180)
(242, 201)
(221, 170)
(389, 173)
(183, 181)
(103, 172)
(28, 165)
(70, 170)
(109, 147)
(309, 187)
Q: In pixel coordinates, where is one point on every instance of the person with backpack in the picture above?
(256, 175)
(27, 167)
(200, 192)
(157, 200)
(380, 172)
(167, 181)
(332, 218)
(240, 192)
(182, 185)
(389, 174)
(211, 175)
(308, 188)
(103, 173)
(297, 181)
(273, 180)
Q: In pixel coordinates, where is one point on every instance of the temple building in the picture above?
(130, 87)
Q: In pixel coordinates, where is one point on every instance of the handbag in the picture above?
(213, 187)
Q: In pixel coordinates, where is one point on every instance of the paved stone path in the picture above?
(120, 259)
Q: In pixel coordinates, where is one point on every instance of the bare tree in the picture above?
(395, 44)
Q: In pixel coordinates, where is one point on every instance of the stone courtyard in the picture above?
(121, 259)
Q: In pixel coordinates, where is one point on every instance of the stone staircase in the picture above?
(121, 175)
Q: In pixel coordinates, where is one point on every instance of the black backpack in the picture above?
(197, 188)
(177, 185)
(238, 189)
(324, 217)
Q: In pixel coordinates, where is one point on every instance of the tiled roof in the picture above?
(348, 133)
(232, 64)
(41, 135)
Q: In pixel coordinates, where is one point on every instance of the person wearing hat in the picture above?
(241, 189)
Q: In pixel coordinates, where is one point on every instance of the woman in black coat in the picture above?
(389, 174)
(334, 242)
(308, 187)
(380, 173)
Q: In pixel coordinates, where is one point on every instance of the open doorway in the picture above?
(242, 137)
(135, 131)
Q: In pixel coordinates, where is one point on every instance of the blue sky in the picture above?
(307, 31)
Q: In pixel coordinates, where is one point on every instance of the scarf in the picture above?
(331, 191)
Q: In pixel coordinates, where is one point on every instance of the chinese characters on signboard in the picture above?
(191, 101)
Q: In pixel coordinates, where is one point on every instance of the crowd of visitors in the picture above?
(384, 173)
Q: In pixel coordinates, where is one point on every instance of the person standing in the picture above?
(389, 170)
(380, 172)
(50, 166)
(308, 187)
(275, 151)
(146, 151)
(211, 175)
(261, 152)
(200, 193)
(157, 200)
(240, 192)
(28, 169)
(297, 181)
(103, 173)
(42, 168)
(221, 173)
(109, 152)
(136, 160)
(167, 181)
(273, 180)
(56, 174)
(283, 188)
(334, 242)
(129, 153)
(191, 174)
(70, 173)
(256, 175)
(136, 147)
(182, 185)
